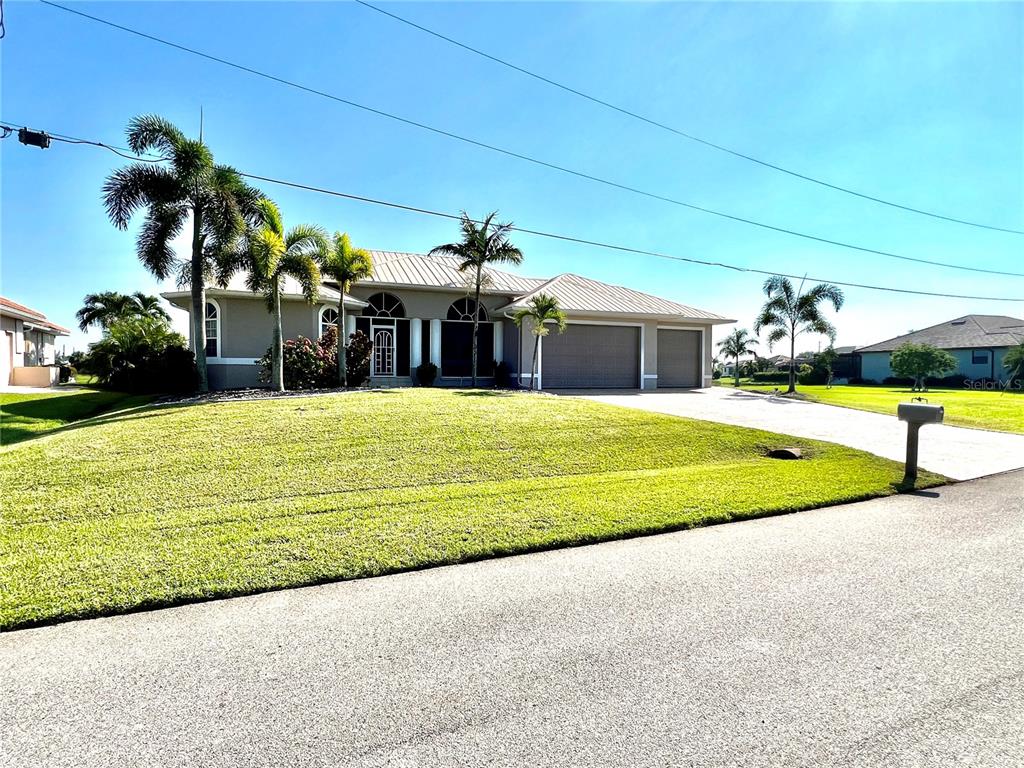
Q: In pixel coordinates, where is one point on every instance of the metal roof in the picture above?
(422, 271)
(290, 289)
(961, 333)
(582, 295)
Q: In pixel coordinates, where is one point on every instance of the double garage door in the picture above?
(608, 357)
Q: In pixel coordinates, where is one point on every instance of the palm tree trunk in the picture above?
(792, 360)
(533, 368)
(476, 319)
(277, 358)
(342, 342)
(737, 371)
(198, 290)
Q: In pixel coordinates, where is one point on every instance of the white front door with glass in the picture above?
(383, 351)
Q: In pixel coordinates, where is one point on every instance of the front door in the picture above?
(383, 352)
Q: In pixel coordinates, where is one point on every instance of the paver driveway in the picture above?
(955, 452)
(886, 633)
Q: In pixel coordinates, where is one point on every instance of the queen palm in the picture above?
(480, 246)
(792, 312)
(101, 309)
(345, 265)
(737, 344)
(268, 254)
(541, 309)
(185, 184)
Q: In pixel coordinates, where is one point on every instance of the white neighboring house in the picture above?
(28, 352)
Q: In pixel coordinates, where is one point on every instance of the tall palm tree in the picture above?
(790, 312)
(541, 309)
(480, 246)
(184, 184)
(736, 344)
(101, 309)
(268, 254)
(1013, 362)
(345, 265)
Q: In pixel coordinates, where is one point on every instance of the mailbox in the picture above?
(916, 415)
(920, 413)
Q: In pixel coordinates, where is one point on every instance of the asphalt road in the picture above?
(887, 633)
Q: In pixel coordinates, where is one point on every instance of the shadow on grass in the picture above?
(485, 393)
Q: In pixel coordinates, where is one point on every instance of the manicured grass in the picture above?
(26, 415)
(1003, 411)
(181, 503)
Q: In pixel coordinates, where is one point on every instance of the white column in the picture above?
(415, 343)
(435, 342)
(350, 325)
(540, 361)
(499, 340)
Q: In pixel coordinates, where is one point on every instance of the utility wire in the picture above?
(527, 158)
(679, 132)
(541, 233)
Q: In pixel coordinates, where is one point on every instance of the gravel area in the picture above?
(885, 633)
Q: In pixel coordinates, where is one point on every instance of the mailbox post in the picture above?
(916, 415)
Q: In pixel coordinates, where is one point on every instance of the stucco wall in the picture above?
(430, 304)
(247, 326)
(875, 365)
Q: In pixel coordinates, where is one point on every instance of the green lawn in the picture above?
(1003, 411)
(24, 415)
(181, 503)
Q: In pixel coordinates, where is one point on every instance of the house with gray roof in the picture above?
(978, 342)
(419, 308)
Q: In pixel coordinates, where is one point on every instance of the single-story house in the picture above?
(28, 350)
(419, 308)
(978, 342)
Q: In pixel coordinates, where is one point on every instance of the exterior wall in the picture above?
(233, 376)
(430, 304)
(875, 365)
(246, 326)
(35, 376)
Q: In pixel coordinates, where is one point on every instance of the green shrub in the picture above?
(142, 354)
(312, 364)
(426, 374)
(770, 377)
(357, 360)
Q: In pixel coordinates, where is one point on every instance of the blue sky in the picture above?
(920, 103)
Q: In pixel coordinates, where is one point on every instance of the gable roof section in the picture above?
(961, 333)
(32, 318)
(581, 295)
(439, 272)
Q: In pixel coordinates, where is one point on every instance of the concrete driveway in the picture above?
(955, 452)
(885, 633)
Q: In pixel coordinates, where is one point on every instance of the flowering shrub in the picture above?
(310, 364)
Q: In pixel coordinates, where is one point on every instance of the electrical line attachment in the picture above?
(549, 235)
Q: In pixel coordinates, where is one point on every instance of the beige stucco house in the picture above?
(418, 308)
(28, 346)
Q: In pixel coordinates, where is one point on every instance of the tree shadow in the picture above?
(485, 393)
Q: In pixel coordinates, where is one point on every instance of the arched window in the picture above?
(328, 319)
(463, 310)
(212, 328)
(384, 305)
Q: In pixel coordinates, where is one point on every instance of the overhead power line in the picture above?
(679, 132)
(527, 158)
(120, 151)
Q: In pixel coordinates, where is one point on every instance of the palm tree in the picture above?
(480, 246)
(736, 344)
(791, 312)
(1013, 362)
(184, 183)
(268, 254)
(541, 309)
(101, 309)
(345, 265)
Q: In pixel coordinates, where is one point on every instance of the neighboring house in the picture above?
(847, 364)
(419, 309)
(978, 342)
(27, 346)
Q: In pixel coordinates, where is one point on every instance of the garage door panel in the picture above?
(591, 356)
(679, 363)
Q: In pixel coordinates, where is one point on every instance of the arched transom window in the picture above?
(212, 329)
(463, 310)
(384, 305)
(328, 319)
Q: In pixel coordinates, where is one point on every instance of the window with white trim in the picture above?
(328, 319)
(384, 305)
(463, 310)
(212, 329)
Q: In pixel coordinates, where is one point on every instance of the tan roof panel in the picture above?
(416, 269)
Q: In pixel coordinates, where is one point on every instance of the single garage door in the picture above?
(679, 358)
(585, 356)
